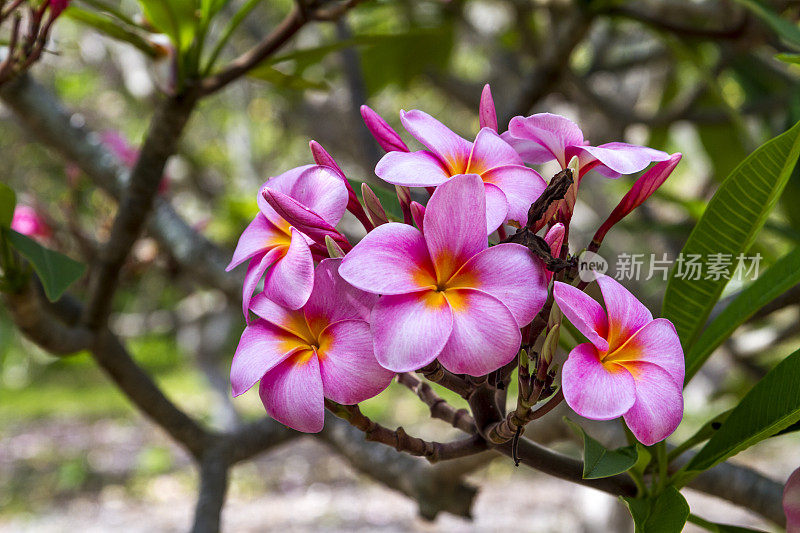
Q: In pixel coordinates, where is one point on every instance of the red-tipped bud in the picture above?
(555, 238)
(323, 158)
(380, 129)
(57, 7)
(404, 198)
(645, 186)
(418, 213)
(487, 116)
(374, 208)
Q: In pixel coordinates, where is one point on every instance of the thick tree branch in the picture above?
(42, 115)
(166, 128)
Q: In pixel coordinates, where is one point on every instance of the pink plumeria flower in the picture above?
(28, 222)
(323, 350)
(791, 502)
(279, 252)
(510, 187)
(632, 365)
(445, 293)
(546, 137)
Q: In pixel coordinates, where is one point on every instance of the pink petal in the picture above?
(412, 169)
(452, 149)
(350, 372)
(290, 320)
(302, 218)
(261, 347)
(487, 116)
(594, 391)
(626, 314)
(455, 223)
(259, 236)
(659, 404)
(323, 191)
(333, 299)
(485, 335)
(545, 137)
(391, 259)
(656, 343)
(386, 136)
(496, 207)
(255, 271)
(290, 280)
(490, 151)
(521, 185)
(555, 238)
(281, 183)
(292, 393)
(583, 312)
(409, 330)
(624, 158)
(510, 273)
(791, 502)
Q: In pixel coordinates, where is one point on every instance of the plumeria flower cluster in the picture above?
(331, 321)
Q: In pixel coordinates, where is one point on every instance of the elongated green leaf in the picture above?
(598, 461)
(111, 27)
(8, 201)
(786, 30)
(785, 273)
(789, 58)
(283, 80)
(729, 225)
(771, 405)
(176, 18)
(720, 528)
(665, 513)
(56, 271)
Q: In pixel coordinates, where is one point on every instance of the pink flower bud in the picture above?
(487, 116)
(404, 197)
(374, 208)
(645, 186)
(418, 213)
(386, 136)
(28, 222)
(323, 158)
(57, 7)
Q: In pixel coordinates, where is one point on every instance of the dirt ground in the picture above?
(119, 475)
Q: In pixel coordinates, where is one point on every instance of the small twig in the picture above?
(458, 418)
(402, 441)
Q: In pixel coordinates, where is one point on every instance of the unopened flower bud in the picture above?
(550, 344)
(389, 139)
(334, 250)
(404, 197)
(374, 208)
(418, 213)
(487, 116)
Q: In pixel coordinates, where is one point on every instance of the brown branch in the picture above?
(436, 373)
(402, 441)
(166, 128)
(458, 418)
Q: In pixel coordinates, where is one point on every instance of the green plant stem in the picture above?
(226, 34)
(661, 457)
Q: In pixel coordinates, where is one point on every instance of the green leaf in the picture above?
(720, 528)
(781, 276)
(771, 405)
(177, 19)
(786, 30)
(793, 59)
(56, 271)
(111, 27)
(387, 197)
(8, 201)
(665, 513)
(730, 225)
(598, 461)
(283, 80)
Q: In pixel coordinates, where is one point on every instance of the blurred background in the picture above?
(697, 77)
